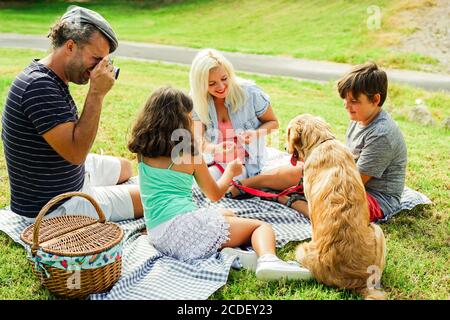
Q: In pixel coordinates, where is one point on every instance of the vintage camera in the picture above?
(116, 72)
(116, 69)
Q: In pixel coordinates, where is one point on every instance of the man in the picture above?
(47, 144)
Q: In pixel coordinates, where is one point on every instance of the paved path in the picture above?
(262, 64)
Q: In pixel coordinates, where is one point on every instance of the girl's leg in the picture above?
(227, 212)
(250, 231)
(262, 237)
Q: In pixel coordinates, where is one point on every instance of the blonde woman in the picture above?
(231, 115)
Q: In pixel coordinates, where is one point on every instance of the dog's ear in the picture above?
(293, 139)
(295, 144)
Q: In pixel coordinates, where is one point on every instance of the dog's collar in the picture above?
(294, 158)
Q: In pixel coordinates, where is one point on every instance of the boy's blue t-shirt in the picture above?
(380, 152)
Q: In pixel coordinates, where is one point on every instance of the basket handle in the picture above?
(54, 201)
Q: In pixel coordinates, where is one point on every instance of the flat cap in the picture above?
(76, 14)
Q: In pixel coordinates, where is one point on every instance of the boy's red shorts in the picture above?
(374, 208)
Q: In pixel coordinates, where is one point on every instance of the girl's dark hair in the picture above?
(365, 78)
(166, 110)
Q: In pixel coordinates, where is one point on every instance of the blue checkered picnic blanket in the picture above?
(146, 274)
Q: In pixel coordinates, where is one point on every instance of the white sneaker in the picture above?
(247, 256)
(269, 267)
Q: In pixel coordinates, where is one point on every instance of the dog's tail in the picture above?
(372, 294)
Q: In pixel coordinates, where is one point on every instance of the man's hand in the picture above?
(73, 140)
(102, 77)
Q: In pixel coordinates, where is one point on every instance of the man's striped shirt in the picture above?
(38, 101)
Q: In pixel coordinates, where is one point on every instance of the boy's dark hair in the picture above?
(365, 78)
(166, 110)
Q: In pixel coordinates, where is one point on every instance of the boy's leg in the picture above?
(299, 205)
(374, 208)
(277, 179)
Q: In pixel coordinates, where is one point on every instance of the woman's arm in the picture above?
(269, 123)
(212, 189)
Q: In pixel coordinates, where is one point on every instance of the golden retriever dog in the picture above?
(346, 250)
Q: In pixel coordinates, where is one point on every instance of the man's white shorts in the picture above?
(100, 182)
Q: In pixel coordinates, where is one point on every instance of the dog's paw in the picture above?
(300, 253)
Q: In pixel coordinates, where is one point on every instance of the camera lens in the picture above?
(116, 72)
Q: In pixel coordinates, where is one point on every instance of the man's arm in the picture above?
(73, 140)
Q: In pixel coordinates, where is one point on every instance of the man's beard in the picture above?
(76, 71)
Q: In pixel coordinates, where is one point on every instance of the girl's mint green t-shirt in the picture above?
(165, 193)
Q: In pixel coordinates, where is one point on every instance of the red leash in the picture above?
(260, 193)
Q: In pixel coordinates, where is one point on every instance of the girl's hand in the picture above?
(234, 167)
(247, 137)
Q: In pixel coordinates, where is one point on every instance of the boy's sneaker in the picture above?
(269, 267)
(247, 257)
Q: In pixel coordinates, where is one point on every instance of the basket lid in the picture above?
(74, 235)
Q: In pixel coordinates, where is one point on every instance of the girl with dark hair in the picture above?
(168, 164)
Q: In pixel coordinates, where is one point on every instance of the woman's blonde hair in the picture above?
(204, 61)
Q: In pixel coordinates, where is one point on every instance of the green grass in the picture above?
(322, 30)
(418, 241)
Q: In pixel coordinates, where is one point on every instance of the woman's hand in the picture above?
(247, 137)
(225, 151)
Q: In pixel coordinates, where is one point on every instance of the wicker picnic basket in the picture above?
(75, 255)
